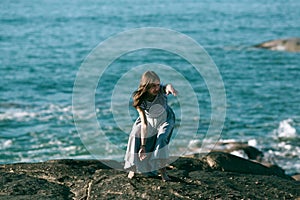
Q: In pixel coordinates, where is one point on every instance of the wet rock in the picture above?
(192, 178)
(246, 150)
(289, 44)
(234, 147)
(231, 163)
(252, 152)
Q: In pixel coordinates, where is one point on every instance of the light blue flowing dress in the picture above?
(160, 123)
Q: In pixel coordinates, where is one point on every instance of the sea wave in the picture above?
(285, 129)
(280, 147)
(44, 113)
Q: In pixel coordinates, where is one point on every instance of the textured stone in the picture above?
(231, 163)
(192, 178)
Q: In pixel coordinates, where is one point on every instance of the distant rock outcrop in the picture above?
(289, 44)
(218, 175)
(233, 147)
(231, 163)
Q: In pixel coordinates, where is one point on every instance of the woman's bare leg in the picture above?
(164, 175)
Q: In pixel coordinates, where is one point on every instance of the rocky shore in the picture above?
(218, 175)
(288, 44)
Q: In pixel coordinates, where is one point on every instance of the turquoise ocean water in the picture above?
(43, 43)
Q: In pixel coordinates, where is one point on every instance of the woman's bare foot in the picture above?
(164, 175)
(130, 174)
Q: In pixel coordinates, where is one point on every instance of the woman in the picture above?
(147, 148)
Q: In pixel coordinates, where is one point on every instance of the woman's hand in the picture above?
(142, 153)
(171, 90)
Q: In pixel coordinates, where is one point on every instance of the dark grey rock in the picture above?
(231, 163)
(21, 186)
(192, 178)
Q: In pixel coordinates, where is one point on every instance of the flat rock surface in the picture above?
(192, 178)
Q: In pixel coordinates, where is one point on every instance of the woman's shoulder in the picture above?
(143, 105)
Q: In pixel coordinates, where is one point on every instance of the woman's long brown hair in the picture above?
(147, 79)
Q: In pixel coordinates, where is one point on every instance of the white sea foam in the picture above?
(5, 144)
(286, 130)
(252, 142)
(16, 115)
(239, 153)
(44, 113)
(283, 147)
